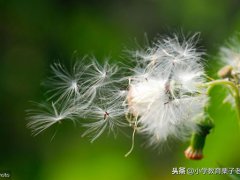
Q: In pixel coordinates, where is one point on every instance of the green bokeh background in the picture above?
(35, 33)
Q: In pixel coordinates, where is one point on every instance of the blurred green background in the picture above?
(35, 33)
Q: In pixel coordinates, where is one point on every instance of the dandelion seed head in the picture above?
(161, 92)
(230, 53)
(142, 94)
(167, 96)
(170, 51)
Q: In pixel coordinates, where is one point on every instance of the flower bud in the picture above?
(193, 154)
(195, 150)
(225, 72)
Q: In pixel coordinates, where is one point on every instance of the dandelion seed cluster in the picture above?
(230, 57)
(230, 53)
(159, 97)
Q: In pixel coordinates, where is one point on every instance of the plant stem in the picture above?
(229, 85)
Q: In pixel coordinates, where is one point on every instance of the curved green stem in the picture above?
(222, 82)
(231, 86)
